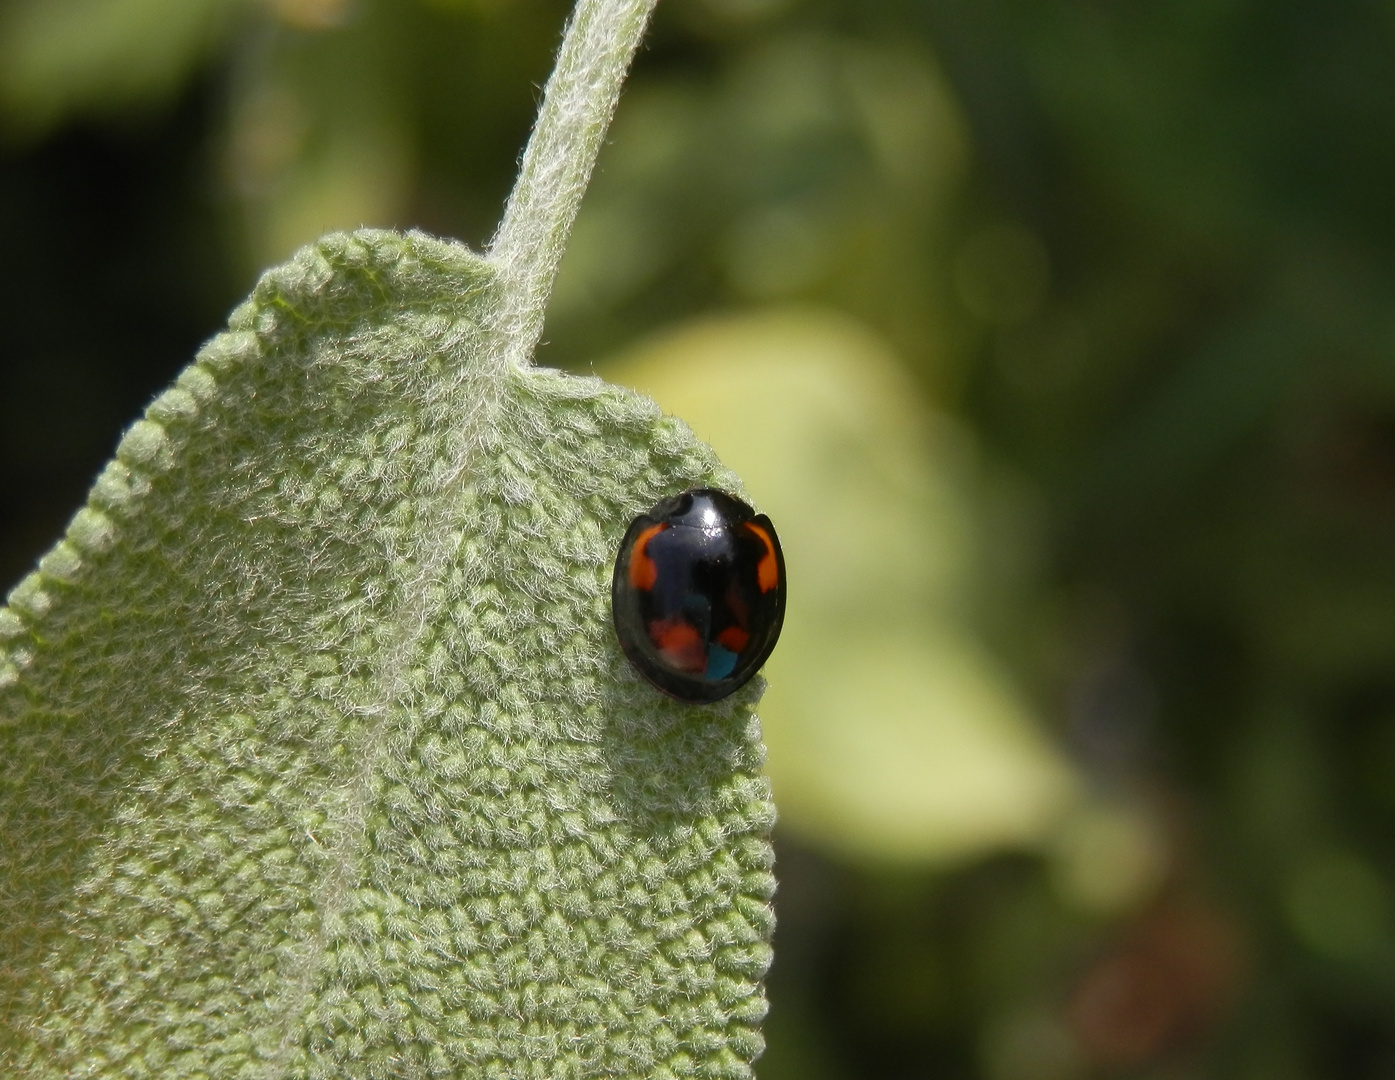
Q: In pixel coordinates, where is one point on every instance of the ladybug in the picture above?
(699, 594)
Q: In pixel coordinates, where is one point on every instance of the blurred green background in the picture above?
(1057, 338)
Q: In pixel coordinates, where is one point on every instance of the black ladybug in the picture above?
(699, 594)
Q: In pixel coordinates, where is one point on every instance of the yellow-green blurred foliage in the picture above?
(891, 730)
(1055, 338)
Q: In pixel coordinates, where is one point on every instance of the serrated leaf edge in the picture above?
(150, 446)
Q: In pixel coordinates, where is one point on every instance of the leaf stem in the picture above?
(578, 102)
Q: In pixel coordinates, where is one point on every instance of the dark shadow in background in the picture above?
(113, 275)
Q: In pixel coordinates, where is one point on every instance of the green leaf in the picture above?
(319, 757)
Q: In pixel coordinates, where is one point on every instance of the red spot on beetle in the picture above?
(680, 643)
(733, 638)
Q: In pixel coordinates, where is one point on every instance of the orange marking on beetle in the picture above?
(680, 643)
(768, 569)
(643, 572)
(733, 638)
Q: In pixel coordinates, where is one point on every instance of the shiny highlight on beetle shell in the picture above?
(698, 594)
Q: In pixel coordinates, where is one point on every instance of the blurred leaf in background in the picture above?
(892, 732)
(1056, 338)
(102, 56)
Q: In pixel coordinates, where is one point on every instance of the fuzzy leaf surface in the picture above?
(318, 757)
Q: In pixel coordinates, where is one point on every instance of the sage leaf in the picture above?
(318, 756)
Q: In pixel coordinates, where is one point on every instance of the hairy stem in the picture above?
(600, 41)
